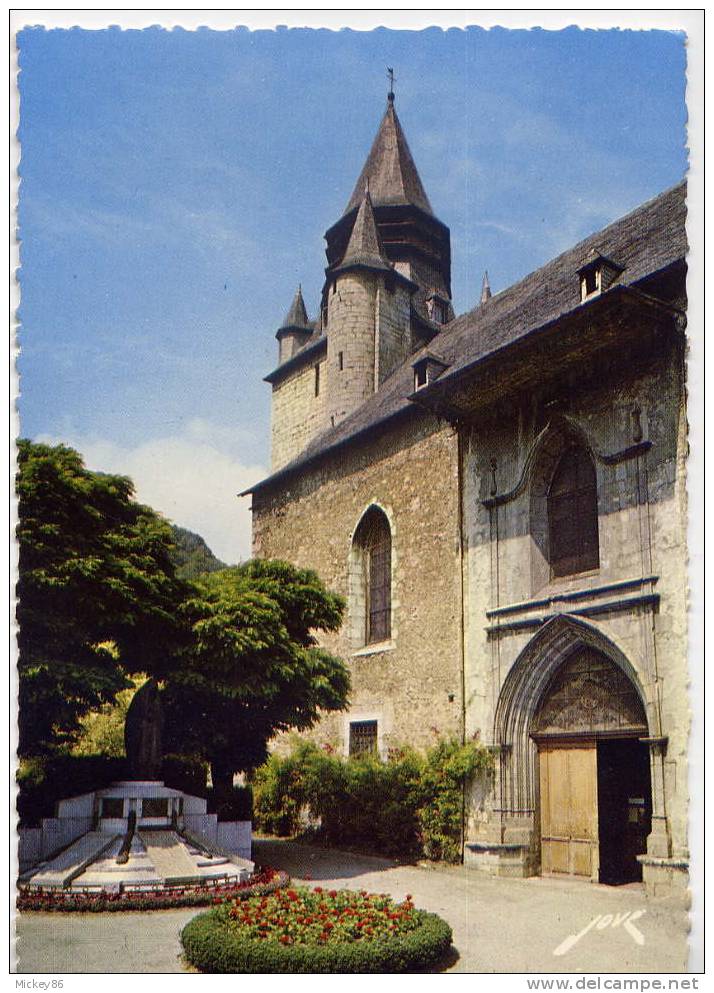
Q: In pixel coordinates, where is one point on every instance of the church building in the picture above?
(501, 498)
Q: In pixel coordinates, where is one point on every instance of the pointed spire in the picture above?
(365, 245)
(485, 288)
(390, 167)
(296, 317)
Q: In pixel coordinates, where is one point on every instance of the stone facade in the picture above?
(632, 607)
(462, 464)
(298, 410)
(412, 684)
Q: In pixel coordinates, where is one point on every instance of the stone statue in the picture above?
(142, 733)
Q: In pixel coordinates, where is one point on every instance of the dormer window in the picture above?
(590, 283)
(426, 369)
(437, 307)
(597, 274)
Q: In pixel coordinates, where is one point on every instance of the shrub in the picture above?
(409, 805)
(312, 931)
(449, 767)
(278, 794)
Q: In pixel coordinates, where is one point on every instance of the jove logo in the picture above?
(603, 921)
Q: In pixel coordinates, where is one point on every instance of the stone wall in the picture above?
(297, 414)
(393, 329)
(634, 603)
(352, 317)
(411, 685)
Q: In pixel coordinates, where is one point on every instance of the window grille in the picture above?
(155, 807)
(374, 541)
(378, 562)
(572, 515)
(112, 807)
(363, 738)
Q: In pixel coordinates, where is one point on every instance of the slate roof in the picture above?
(390, 169)
(644, 242)
(365, 246)
(296, 317)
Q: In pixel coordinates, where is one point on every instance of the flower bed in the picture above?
(261, 883)
(302, 930)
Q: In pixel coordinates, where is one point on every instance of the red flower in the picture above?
(332, 893)
(318, 889)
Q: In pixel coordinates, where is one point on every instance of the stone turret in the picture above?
(387, 291)
(295, 330)
(368, 317)
(413, 239)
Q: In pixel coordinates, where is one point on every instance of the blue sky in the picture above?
(175, 188)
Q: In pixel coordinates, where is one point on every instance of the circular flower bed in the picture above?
(260, 883)
(303, 930)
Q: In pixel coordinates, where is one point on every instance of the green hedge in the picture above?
(211, 947)
(409, 805)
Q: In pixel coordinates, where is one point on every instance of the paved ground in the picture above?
(499, 925)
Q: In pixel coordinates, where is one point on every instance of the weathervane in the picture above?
(390, 77)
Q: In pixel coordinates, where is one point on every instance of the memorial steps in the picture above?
(70, 863)
(169, 856)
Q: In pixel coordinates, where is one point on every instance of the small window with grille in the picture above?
(363, 738)
(155, 807)
(112, 807)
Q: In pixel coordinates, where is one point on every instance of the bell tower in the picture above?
(367, 302)
(414, 240)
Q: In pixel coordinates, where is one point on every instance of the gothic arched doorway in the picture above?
(594, 774)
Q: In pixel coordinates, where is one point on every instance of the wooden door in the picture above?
(568, 809)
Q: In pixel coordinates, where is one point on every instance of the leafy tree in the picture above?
(97, 593)
(100, 599)
(102, 731)
(254, 668)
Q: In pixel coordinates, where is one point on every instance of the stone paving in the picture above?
(500, 925)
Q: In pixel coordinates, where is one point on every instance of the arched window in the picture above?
(373, 548)
(572, 515)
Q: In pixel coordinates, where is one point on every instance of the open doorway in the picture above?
(624, 808)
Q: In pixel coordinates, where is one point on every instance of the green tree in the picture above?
(102, 731)
(254, 667)
(97, 594)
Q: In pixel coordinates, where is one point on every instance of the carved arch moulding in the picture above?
(532, 699)
(561, 431)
